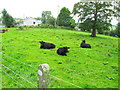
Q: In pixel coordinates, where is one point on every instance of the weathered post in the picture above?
(43, 76)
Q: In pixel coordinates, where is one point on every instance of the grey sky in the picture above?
(34, 8)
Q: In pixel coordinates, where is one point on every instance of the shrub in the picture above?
(113, 33)
(106, 33)
(118, 30)
(46, 26)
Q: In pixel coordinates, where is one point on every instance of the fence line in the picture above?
(13, 78)
(50, 75)
(22, 74)
(18, 60)
(19, 75)
(66, 82)
(14, 61)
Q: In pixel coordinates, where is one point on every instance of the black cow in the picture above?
(62, 51)
(84, 45)
(45, 45)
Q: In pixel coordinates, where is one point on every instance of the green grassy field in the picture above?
(87, 68)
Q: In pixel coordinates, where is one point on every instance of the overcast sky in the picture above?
(34, 8)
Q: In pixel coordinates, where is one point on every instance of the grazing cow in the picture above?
(84, 45)
(62, 51)
(45, 45)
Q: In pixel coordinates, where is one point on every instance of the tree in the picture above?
(96, 15)
(45, 16)
(51, 21)
(83, 26)
(117, 7)
(64, 18)
(7, 19)
(118, 29)
(38, 18)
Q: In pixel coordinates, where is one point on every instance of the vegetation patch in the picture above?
(95, 67)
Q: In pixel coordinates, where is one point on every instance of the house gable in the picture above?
(29, 22)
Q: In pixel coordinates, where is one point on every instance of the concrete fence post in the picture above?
(43, 76)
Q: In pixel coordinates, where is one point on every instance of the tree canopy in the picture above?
(64, 18)
(118, 29)
(51, 21)
(95, 16)
(45, 16)
(7, 19)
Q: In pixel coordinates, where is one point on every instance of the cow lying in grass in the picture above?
(84, 45)
(45, 45)
(3, 31)
(62, 51)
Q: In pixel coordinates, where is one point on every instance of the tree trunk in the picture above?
(95, 21)
(93, 33)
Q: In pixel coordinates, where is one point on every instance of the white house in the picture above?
(29, 22)
(1, 25)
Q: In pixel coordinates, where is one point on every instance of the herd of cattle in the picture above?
(62, 50)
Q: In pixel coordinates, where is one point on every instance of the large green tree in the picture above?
(51, 21)
(45, 16)
(64, 18)
(118, 29)
(117, 7)
(7, 19)
(94, 15)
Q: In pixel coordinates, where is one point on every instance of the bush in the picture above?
(46, 26)
(106, 33)
(116, 32)
(113, 33)
(73, 24)
(68, 28)
(20, 28)
(118, 29)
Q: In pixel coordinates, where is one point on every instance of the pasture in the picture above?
(95, 67)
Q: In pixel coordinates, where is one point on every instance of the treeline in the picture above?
(7, 19)
(96, 16)
(63, 20)
(93, 16)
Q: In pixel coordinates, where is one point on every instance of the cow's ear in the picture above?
(83, 41)
(41, 41)
(64, 47)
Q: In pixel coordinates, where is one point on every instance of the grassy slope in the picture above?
(88, 68)
(0, 62)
